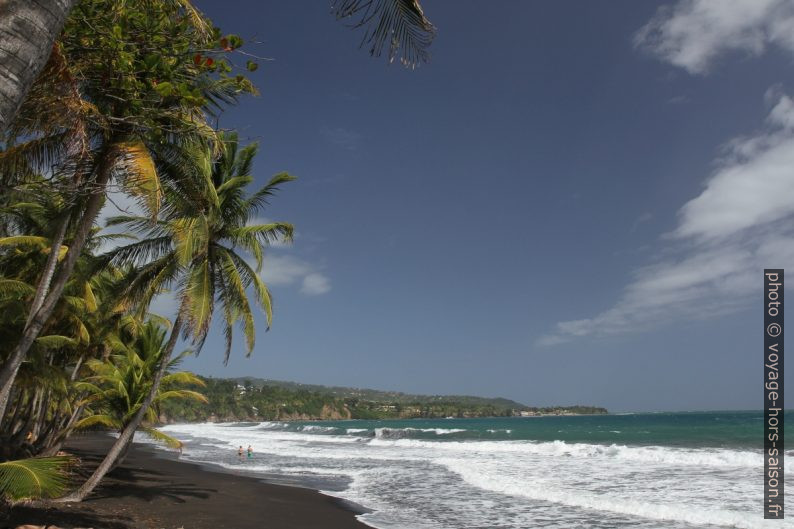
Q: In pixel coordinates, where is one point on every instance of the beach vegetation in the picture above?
(36, 477)
(117, 386)
(124, 105)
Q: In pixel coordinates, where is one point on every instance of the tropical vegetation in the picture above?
(251, 399)
(102, 100)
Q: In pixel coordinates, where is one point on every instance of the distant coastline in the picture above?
(252, 399)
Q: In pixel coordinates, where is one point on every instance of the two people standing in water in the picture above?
(250, 452)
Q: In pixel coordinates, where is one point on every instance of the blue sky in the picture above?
(571, 203)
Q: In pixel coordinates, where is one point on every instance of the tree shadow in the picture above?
(149, 491)
(61, 516)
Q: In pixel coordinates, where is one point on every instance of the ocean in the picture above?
(643, 470)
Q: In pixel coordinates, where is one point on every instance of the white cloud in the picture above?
(738, 225)
(315, 284)
(754, 185)
(282, 270)
(692, 34)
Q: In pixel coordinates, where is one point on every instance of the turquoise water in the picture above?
(648, 471)
(733, 429)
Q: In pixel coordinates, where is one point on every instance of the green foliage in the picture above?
(118, 386)
(144, 55)
(40, 477)
(375, 395)
(229, 401)
(197, 244)
(255, 399)
(129, 100)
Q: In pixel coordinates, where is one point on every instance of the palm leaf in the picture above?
(54, 341)
(90, 299)
(260, 199)
(157, 435)
(200, 295)
(140, 176)
(25, 240)
(182, 378)
(184, 394)
(399, 24)
(101, 420)
(41, 477)
(13, 287)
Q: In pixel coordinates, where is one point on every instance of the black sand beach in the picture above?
(150, 491)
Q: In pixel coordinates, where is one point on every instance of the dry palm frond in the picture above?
(139, 176)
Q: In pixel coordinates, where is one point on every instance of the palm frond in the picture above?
(260, 199)
(55, 341)
(201, 295)
(185, 394)
(182, 378)
(139, 176)
(40, 477)
(157, 435)
(14, 287)
(400, 25)
(98, 420)
(25, 240)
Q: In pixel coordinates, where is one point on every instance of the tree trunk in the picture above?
(54, 445)
(49, 268)
(125, 438)
(28, 29)
(63, 428)
(85, 223)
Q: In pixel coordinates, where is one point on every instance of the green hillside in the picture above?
(252, 399)
(383, 396)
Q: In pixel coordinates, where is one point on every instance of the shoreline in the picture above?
(155, 489)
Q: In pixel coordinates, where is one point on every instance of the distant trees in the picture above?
(227, 401)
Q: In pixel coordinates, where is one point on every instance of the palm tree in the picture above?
(127, 121)
(118, 386)
(27, 31)
(193, 246)
(81, 327)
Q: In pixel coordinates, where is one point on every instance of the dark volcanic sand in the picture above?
(153, 492)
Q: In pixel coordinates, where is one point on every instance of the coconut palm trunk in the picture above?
(33, 329)
(49, 268)
(28, 29)
(123, 441)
